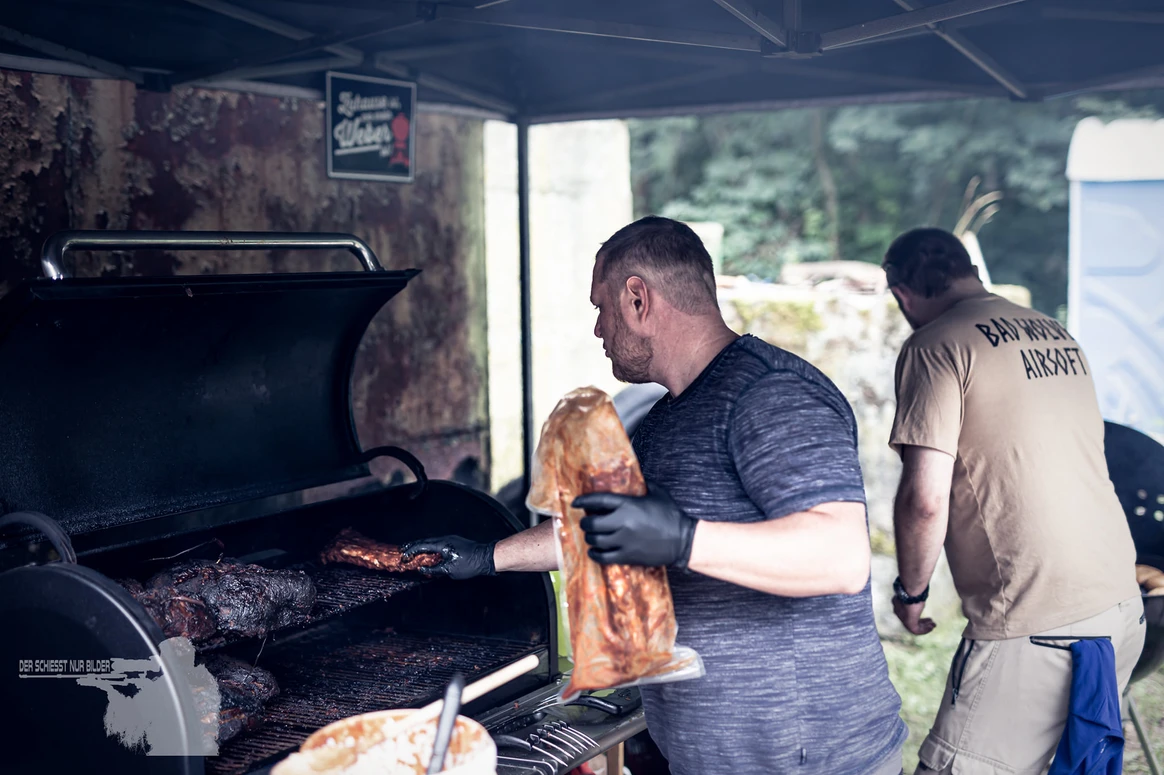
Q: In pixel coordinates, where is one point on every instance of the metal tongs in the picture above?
(446, 724)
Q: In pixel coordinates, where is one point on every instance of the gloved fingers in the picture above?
(608, 557)
(428, 546)
(435, 570)
(600, 523)
(599, 502)
(606, 541)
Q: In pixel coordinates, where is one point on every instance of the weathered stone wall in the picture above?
(80, 153)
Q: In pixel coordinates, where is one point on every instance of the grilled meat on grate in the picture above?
(201, 599)
(178, 615)
(355, 548)
(243, 691)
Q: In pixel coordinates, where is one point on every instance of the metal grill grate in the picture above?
(339, 589)
(323, 681)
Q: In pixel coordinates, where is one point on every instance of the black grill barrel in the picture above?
(1135, 464)
(172, 394)
(196, 420)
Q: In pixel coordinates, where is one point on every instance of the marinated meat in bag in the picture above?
(621, 617)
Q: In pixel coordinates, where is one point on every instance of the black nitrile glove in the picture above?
(463, 559)
(627, 530)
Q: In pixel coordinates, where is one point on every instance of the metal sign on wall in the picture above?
(370, 128)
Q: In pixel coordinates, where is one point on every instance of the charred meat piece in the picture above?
(355, 548)
(178, 615)
(241, 599)
(243, 691)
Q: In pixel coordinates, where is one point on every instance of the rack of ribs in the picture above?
(354, 548)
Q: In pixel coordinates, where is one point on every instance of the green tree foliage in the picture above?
(840, 183)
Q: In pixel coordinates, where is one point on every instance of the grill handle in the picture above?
(55, 533)
(55, 247)
(618, 703)
(408, 459)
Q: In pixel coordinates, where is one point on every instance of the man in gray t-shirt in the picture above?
(756, 506)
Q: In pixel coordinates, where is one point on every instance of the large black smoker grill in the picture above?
(1135, 463)
(148, 417)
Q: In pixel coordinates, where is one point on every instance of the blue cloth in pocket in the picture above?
(1093, 738)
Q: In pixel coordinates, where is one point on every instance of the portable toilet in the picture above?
(1115, 294)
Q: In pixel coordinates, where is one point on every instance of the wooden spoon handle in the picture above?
(473, 691)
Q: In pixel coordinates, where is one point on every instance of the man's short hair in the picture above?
(926, 261)
(666, 251)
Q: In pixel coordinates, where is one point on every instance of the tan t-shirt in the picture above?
(1037, 538)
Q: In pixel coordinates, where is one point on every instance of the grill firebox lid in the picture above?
(128, 398)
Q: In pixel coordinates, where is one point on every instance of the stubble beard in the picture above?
(630, 355)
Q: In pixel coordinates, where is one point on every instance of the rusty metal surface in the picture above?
(98, 154)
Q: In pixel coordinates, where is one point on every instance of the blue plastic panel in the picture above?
(1116, 296)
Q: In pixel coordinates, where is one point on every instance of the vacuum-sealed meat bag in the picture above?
(621, 617)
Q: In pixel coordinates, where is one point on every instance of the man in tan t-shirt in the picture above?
(1001, 440)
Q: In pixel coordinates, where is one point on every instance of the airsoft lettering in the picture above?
(1038, 362)
(1001, 330)
(1052, 362)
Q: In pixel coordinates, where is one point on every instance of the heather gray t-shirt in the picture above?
(793, 685)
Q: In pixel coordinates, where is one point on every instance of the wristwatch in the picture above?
(903, 596)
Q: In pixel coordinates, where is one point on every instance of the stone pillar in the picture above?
(580, 194)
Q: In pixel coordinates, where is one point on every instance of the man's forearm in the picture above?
(921, 514)
(823, 551)
(529, 550)
(919, 534)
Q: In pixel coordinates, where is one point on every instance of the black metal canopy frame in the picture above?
(538, 61)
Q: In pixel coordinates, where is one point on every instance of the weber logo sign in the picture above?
(370, 128)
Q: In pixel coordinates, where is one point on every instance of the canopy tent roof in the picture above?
(554, 60)
(547, 60)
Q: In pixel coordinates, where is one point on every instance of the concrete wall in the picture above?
(80, 153)
(579, 195)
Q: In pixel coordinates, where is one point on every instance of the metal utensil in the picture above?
(446, 724)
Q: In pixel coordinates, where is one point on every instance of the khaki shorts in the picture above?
(1006, 701)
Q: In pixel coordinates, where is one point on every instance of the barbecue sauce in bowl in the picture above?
(357, 746)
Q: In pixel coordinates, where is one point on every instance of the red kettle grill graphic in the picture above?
(399, 126)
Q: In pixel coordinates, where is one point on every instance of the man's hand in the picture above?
(626, 530)
(463, 559)
(910, 616)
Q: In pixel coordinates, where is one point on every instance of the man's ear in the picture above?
(638, 298)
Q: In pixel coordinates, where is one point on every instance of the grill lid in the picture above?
(134, 397)
(1135, 463)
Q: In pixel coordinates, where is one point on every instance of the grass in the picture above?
(1149, 697)
(918, 668)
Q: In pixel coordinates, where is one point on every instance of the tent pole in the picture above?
(527, 429)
